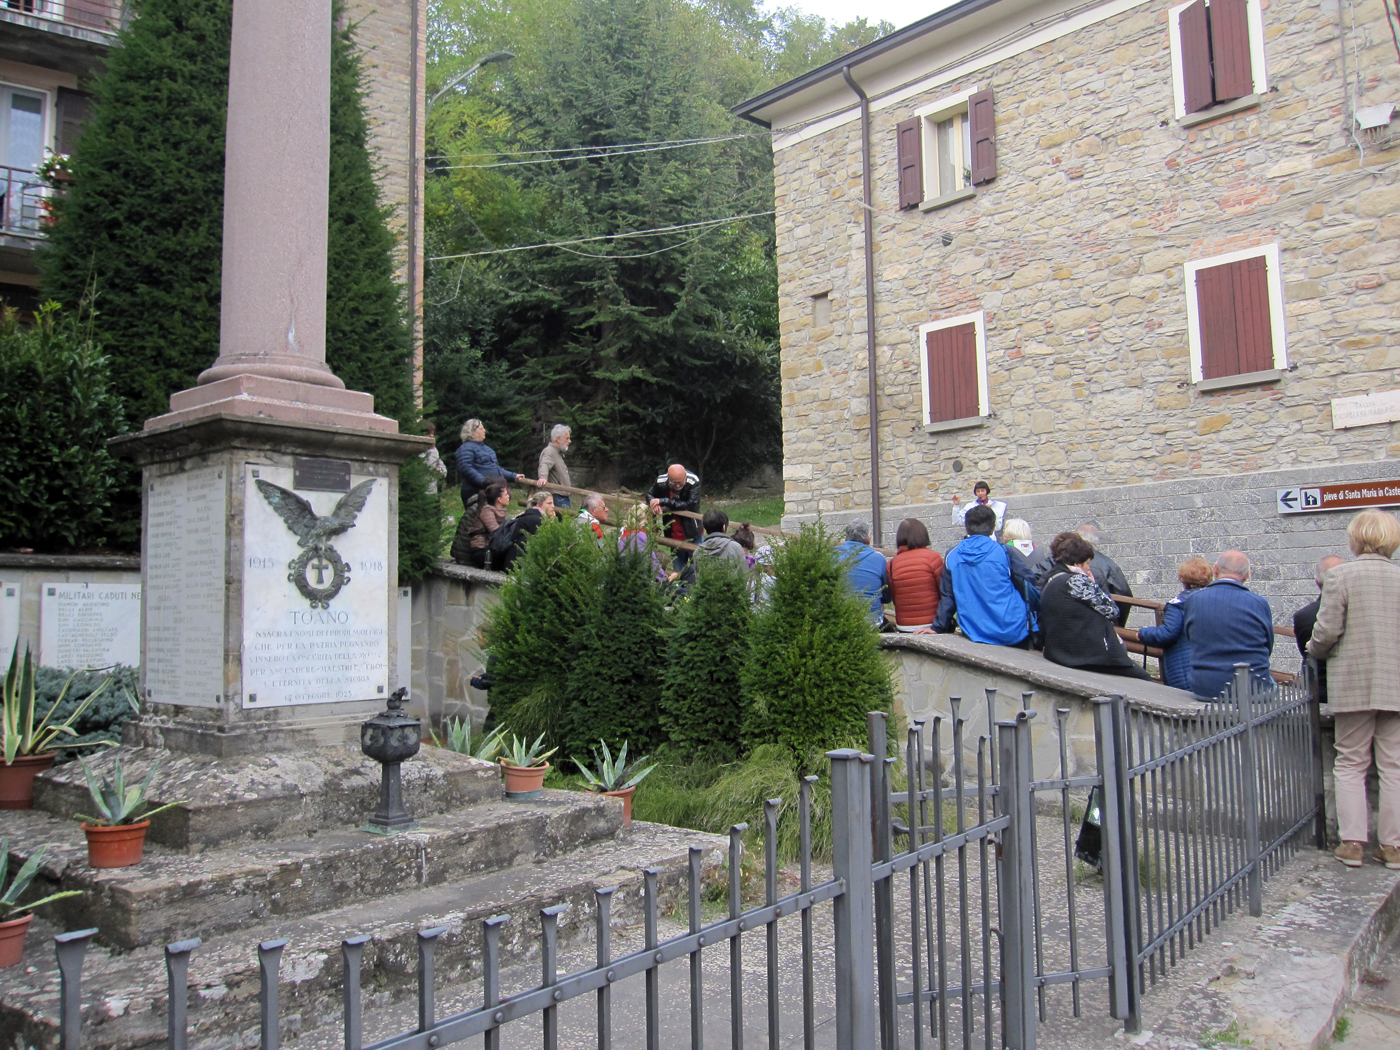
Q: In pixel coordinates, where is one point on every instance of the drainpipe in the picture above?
(875, 528)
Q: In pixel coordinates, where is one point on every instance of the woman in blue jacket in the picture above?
(1170, 635)
(476, 461)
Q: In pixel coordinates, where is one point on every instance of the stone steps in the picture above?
(124, 992)
(269, 796)
(235, 887)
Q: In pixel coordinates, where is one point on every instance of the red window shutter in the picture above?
(952, 373)
(909, 147)
(982, 121)
(1229, 49)
(1254, 331)
(1195, 56)
(1215, 310)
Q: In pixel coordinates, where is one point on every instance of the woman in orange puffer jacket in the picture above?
(915, 573)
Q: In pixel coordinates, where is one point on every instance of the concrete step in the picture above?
(250, 884)
(276, 795)
(124, 993)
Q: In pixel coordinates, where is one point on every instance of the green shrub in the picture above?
(552, 587)
(57, 410)
(701, 696)
(420, 521)
(103, 720)
(618, 656)
(814, 668)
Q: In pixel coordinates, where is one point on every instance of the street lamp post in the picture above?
(471, 71)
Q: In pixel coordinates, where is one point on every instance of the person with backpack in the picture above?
(495, 510)
(508, 541)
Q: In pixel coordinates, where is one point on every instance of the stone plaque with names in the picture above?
(1377, 407)
(315, 590)
(89, 624)
(186, 519)
(9, 619)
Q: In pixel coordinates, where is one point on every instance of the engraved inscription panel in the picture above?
(297, 650)
(89, 624)
(185, 556)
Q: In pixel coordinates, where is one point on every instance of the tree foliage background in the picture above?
(655, 348)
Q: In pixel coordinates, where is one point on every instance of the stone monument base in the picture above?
(275, 795)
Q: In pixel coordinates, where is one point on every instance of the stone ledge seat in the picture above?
(171, 892)
(274, 795)
(124, 992)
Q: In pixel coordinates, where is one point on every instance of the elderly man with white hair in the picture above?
(1227, 624)
(553, 470)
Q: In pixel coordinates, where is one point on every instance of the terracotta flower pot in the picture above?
(12, 940)
(17, 780)
(116, 847)
(626, 795)
(522, 782)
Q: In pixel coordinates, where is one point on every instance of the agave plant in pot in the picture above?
(27, 749)
(117, 837)
(614, 777)
(524, 767)
(14, 916)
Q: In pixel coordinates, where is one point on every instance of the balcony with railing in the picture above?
(68, 17)
(23, 203)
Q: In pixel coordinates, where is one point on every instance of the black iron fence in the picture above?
(947, 915)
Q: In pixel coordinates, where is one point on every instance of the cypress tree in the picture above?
(814, 669)
(616, 659)
(552, 586)
(141, 229)
(368, 343)
(701, 706)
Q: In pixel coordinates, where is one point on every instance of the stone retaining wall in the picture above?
(449, 608)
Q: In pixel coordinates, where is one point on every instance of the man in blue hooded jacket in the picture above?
(977, 587)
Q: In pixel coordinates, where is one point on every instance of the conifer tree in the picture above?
(701, 696)
(814, 669)
(141, 229)
(552, 587)
(617, 657)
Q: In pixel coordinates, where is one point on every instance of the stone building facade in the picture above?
(1073, 264)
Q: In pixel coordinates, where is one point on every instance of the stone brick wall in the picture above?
(1076, 252)
(391, 35)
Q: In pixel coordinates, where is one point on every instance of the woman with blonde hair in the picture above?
(1356, 635)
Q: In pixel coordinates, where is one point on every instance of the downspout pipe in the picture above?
(875, 525)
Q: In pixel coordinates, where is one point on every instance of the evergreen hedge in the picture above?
(702, 695)
(57, 409)
(814, 668)
(617, 658)
(552, 587)
(420, 521)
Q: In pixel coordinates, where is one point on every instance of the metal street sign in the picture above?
(1352, 496)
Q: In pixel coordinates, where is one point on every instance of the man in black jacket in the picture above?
(1106, 572)
(677, 489)
(1305, 619)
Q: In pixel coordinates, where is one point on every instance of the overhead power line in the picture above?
(611, 152)
(608, 237)
(616, 145)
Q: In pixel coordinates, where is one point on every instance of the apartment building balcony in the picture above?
(67, 35)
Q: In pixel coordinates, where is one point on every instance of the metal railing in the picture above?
(102, 15)
(948, 921)
(22, 197)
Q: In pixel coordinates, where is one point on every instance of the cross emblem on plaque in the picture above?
(320, 565)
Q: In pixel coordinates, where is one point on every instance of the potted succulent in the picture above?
(614, 777)
(14, 916)
(524, 767)
(117, 838)
(26, 749)
(459, 739)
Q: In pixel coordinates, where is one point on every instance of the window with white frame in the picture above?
(1217, 56)
(1234, 314)
(946, 149)
(953, 371)
(23, 126)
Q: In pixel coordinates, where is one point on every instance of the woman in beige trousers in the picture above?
(1358, 634)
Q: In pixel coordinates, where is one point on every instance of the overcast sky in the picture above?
(900, 12)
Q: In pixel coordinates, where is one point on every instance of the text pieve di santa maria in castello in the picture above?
(315, 592)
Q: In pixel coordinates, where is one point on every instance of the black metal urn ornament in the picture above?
(389, 738)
